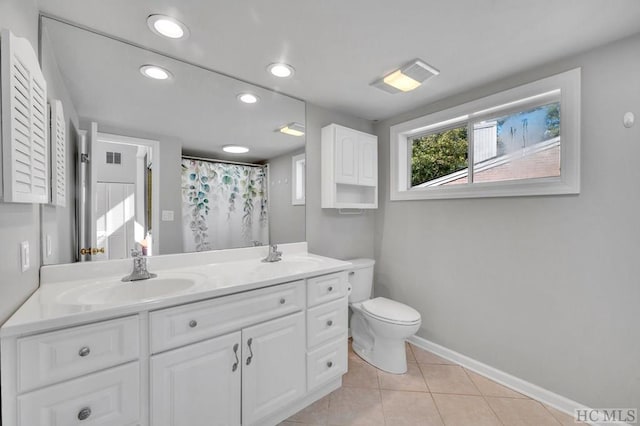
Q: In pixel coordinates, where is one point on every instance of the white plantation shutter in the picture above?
(58, 154)
(24, 123)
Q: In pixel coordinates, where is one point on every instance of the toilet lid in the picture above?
(391, 311)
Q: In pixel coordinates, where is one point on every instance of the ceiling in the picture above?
(339, 47)
(197, 108)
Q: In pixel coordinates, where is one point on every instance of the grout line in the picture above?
(435, 404)
(484, 398)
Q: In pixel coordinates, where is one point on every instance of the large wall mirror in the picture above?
(148, 169)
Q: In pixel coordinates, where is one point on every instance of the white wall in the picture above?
(286, 221)
(544, 288)
(18, 222)
(328, 232)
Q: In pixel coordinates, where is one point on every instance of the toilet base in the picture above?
(386, 355)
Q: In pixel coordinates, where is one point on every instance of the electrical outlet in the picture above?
(24, 255)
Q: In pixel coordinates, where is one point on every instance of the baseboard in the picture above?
(545, 396)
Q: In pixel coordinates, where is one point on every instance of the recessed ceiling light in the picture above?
(293, 129)
(155, 72)
(407, 78)
(248, 98)
(281, 70)
(167, 26)
(235, 149)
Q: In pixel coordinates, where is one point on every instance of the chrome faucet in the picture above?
(274, 255)
(139, 268)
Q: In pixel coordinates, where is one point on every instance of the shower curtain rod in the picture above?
(215, 160)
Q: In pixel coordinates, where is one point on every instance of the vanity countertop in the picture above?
(75, 294)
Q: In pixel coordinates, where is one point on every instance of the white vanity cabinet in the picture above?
(238, 378)
(198, 385)
(327, 325)
(349, 168)
(251, 358)
(84, 375)
(274, 370)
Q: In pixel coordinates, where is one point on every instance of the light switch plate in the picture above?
(167, 215)
(48, 245)
(24, 255)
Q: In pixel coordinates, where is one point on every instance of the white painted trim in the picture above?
(536, 392)
(566, 83)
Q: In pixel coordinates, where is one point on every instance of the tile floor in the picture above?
(433, 392)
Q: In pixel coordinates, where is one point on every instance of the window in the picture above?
(524, 141)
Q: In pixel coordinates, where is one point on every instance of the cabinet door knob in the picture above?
(330, 364)
(193, 323)
(283, 301)
(84, 413)
(330, 289)
(329, 323)
(84, 351)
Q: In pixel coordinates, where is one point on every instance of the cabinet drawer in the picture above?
(108, 398)
(173, 327)
(327, 322)
(48, 358)
(326, 288)
(326, 363)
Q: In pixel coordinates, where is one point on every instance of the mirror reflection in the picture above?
(172, 157)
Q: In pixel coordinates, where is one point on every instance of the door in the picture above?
(274, 367)
(197, 385)
(368, 157)
(346, 149)
(115, 219)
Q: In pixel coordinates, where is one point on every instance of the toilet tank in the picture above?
(361, 279)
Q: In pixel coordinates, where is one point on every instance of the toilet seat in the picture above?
(390, 311)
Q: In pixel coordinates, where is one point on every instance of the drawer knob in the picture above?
(329, 323)
(330, 288)
(193, 323)
(84, 351)
(330, 364)
(84, 413)
(283, 301)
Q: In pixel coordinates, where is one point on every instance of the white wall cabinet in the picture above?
(349, 168)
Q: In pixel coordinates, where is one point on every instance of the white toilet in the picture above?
(379, 326)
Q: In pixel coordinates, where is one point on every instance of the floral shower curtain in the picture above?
(223, 205)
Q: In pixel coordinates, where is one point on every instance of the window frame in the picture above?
(492, 106)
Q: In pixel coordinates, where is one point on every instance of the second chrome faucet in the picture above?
(274, 255)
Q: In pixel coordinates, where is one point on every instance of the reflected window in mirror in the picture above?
(298, 173)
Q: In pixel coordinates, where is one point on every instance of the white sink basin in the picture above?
(117, 292)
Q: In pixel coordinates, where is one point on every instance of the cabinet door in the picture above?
(197, 385)
(273, 372)
(368, 166)
(346, 161)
